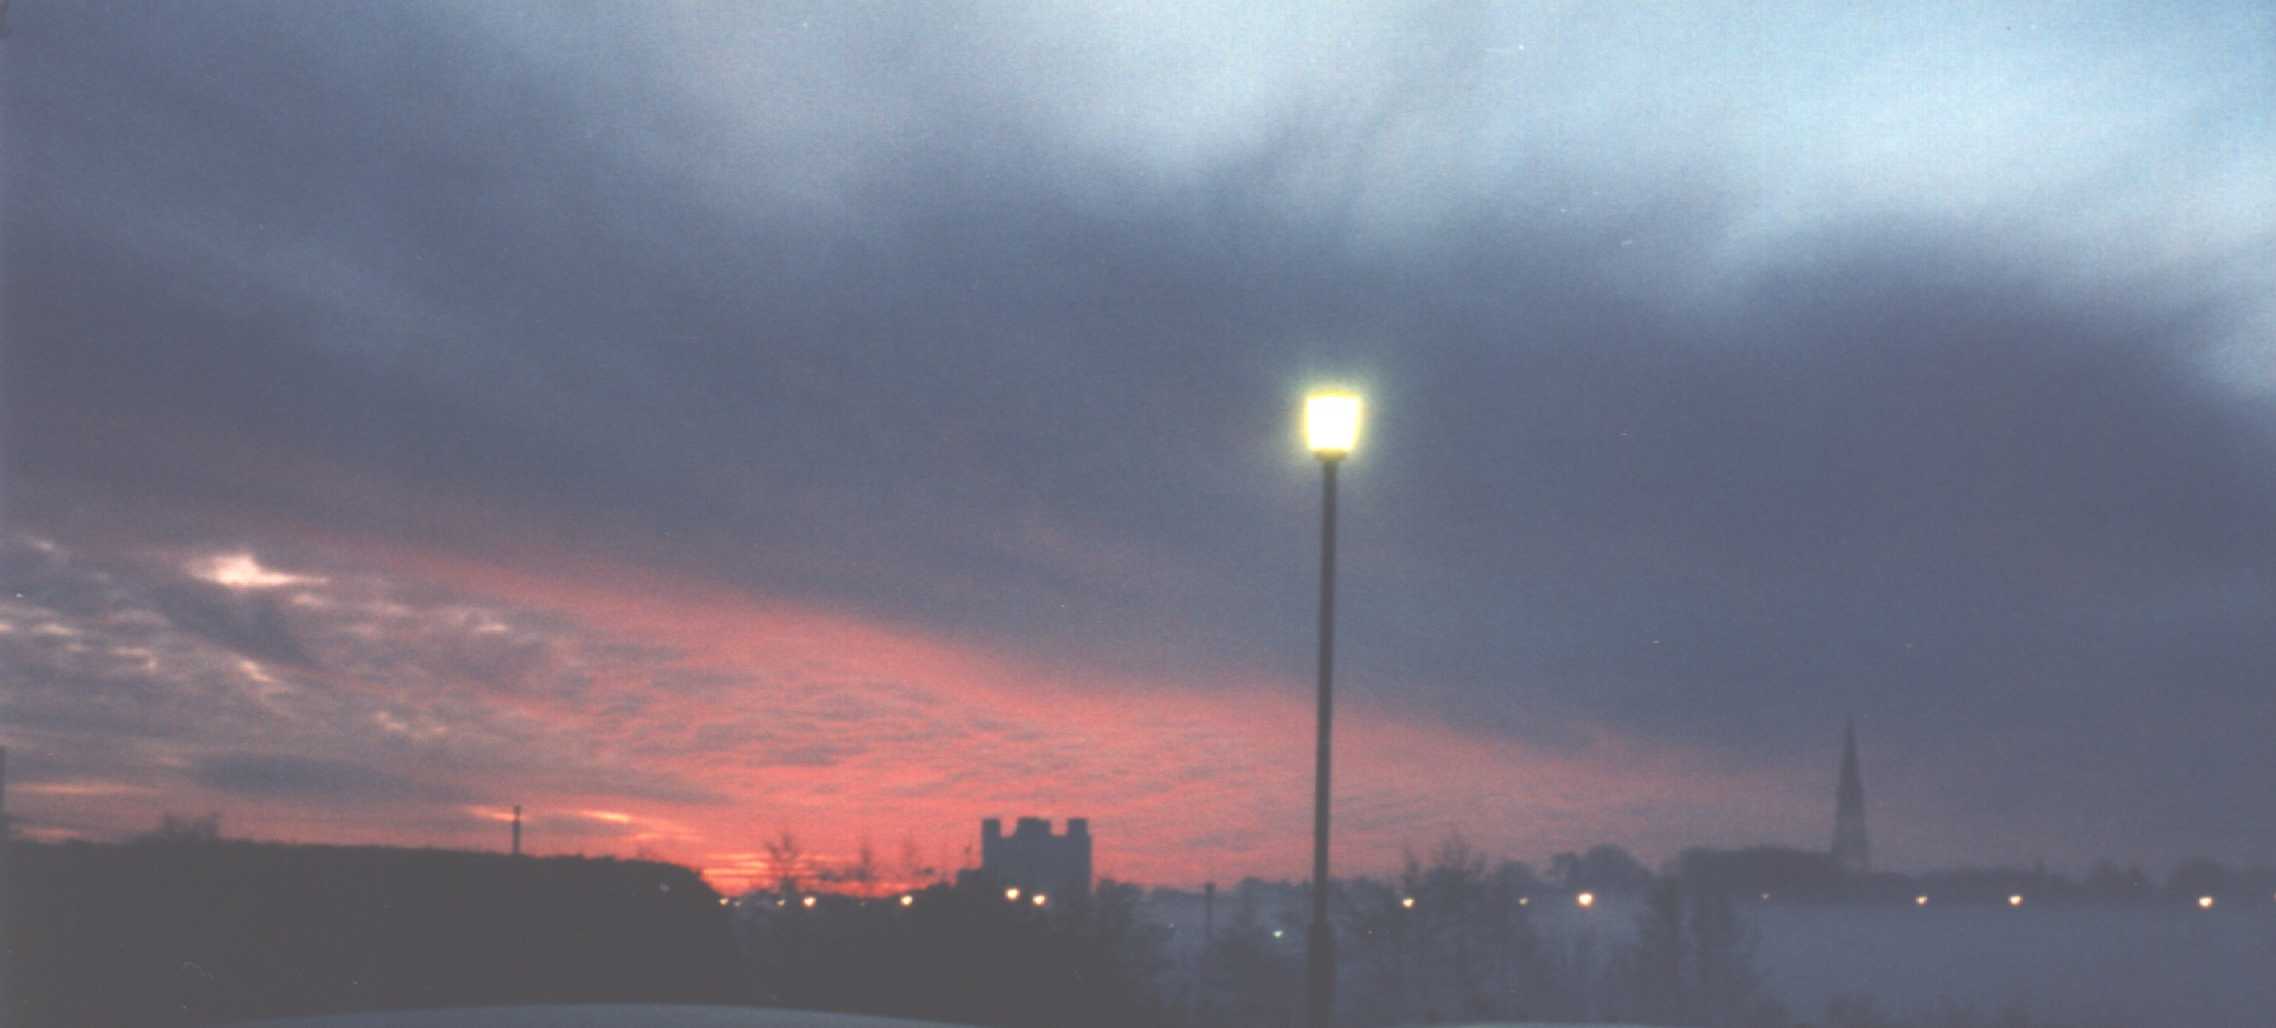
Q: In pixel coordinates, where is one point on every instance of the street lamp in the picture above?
(1331, 429)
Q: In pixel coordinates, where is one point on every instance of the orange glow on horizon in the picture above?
(762, 715)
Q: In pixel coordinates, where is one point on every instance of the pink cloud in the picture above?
(633, 712)
(843, 728)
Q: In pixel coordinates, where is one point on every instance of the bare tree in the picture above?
(863, 874)
(783, 858)
(914, 871)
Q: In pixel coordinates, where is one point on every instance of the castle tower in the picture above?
(1851, 852)
(1034, 860)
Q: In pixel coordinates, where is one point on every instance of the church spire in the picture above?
(1851, 852)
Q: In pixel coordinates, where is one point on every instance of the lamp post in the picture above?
(1331, 428)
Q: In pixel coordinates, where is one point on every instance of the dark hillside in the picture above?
(201, 932)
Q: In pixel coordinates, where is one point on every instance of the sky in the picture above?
(694, 423)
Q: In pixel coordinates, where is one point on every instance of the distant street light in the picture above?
(1331, 429)
(1920, 901)
(908, 901)
(1586, 900)
(2015, 900)
(2204, 902)
(1041, 899)
(808, 902)
(1408, 902)
(1011, 895)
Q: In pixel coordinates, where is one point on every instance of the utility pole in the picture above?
(517, 829)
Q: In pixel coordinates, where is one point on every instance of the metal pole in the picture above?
(1320, 964)
(7, 888)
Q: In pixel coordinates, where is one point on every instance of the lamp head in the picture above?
(1331, 423)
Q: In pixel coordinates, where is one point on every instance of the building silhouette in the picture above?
(1033, 860)
(1852, 853)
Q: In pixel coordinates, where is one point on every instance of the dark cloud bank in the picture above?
(456, 285)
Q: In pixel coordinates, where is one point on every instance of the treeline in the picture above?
(182, 928)
(1808, 876)
(963, 953)
(1462, 938)
(185, 929)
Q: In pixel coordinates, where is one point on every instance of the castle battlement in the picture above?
(1033, 859)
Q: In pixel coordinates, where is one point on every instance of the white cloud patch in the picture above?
(243, 571)
(417, 685)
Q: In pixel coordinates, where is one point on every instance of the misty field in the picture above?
(2137, 965)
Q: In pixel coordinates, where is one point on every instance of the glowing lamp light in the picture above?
(1331, 423)
(1525, 901)
(2204, 902)
(2015, 900)
(908, 901)
(1586, 900)
(724, 901)
(1408, 902)
(808, 902)
(1011, 895)
(1277, 933)
(1920, 901)
(1041, 899)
